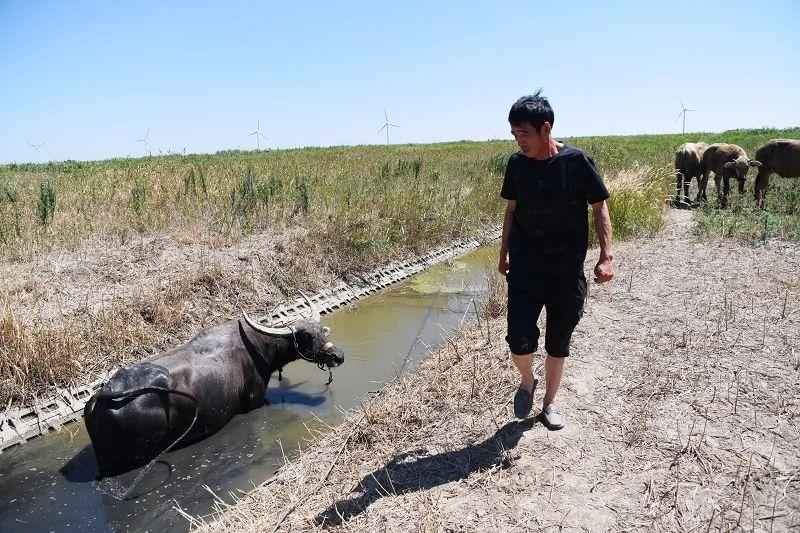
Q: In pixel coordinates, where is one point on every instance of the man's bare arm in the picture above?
(604, 270)
(502, 266)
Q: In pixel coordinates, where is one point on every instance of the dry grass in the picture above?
(497, 296)
(681, 406)
(637, 205)
(63, 352)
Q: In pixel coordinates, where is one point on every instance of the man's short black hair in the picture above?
(535, 110)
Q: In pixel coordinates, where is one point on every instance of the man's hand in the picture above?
(603, 270)
(502, 267)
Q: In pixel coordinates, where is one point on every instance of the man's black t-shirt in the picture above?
(550, 229)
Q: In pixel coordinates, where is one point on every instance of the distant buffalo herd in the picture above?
(726, 161)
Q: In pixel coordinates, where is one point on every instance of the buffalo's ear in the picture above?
(754, 163)
(728, 165)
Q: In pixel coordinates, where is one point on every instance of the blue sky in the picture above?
(89, 78)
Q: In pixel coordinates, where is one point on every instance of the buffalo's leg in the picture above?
(678, 181)
(762, 184)
(726, 189)
(702, 183)
(110, 459)
(687, 182)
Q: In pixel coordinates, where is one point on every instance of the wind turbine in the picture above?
(145, 141)
(683, 112)
(258, 134)
(36, 148)
(386, 126)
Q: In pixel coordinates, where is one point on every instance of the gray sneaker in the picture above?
(523, 401)
(551, 417)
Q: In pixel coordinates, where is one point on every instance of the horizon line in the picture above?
(382, 146)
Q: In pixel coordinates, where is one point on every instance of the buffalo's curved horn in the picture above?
(314, 311)
(266, 330)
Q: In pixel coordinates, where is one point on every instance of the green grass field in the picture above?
(362, 201)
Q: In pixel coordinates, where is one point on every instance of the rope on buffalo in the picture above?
(339, 453)
(146, 469)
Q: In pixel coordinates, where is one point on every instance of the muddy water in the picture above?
(48, 484)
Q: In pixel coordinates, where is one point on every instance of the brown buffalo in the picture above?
(688, 159)
(777, 156)
(726, 161)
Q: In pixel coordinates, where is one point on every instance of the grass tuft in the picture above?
(46, 203)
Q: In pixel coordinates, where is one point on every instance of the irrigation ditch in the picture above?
(18, 425)
(50, 483)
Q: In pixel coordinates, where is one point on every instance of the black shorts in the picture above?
(562, 294)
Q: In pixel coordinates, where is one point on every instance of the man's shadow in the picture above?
(408, 472)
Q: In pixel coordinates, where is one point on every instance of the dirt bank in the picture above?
(681, 400)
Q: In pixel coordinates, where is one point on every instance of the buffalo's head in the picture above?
(737, 169)
(308, 338)
(313, 343)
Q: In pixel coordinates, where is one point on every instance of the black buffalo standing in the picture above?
(192, 391)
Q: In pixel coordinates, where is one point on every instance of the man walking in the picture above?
(548, 185)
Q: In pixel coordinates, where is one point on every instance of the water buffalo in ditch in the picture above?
(778, 156)
(193, 390)
(726, 161)
(688, 165)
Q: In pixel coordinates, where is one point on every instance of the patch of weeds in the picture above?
(46, 203)
(746, 221)
(7, 194)
(403, 167)
(416, 166)
(369, 246)
(385, 172)
(138, 197)
(193, 182)
(190, 184)
(497, 163)
(302, 197)
(9, 213)
(250, 193)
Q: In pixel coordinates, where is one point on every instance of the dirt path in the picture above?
(682, 404)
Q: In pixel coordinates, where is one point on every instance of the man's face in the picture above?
(528, 140)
